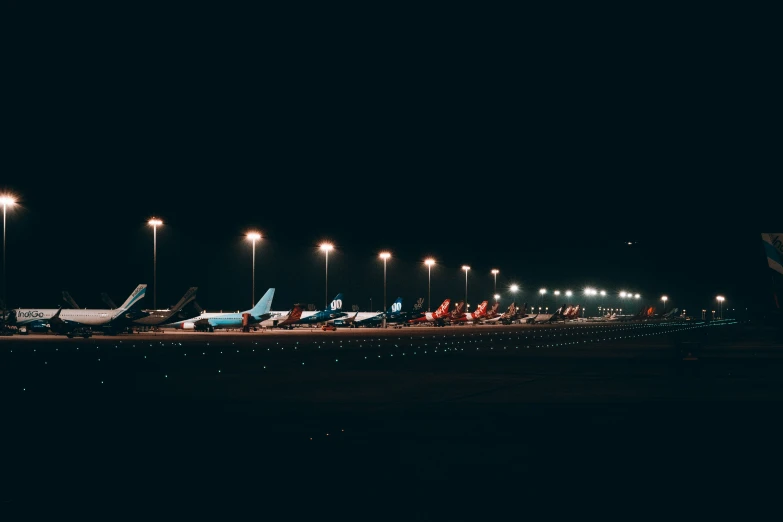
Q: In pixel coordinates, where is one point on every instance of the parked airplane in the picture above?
(208, 321)
(64, 321)
(373, 320)
(323, 316)
(183, 310)
(470, 317)
(510, 315)
(284, 320)
(437, 317)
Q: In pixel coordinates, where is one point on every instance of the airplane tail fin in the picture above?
(69, 300)
(264, 305)
(337, 303)
(458, 308)
(482, 308)
(443, 308)
(773, 246)
(134, 298)
(396, 307)
(419, 304)
(107, 300)
(189, 296)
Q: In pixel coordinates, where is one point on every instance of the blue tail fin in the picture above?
(773, 245)
(337, 303)
(264, 304)
(396, 307)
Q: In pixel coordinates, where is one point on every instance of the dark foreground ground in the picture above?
(463, 423)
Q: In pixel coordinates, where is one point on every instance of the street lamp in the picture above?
(253, 236)
(569, 293)
(497, 296)
(495, 273)
(326, 248)
(720, 300)
(603, 294)
(514, 289)
(6, 201)
(557, 294)
(542, 292)
(664, 299)
(384, 256)
(155, 223)
(466, 268)
(637, 296)
(429, 262)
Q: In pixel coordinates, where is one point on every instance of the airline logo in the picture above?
(419, 304)
(337, 304)
(29, 314)
(396, 307)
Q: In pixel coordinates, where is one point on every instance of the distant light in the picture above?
(590, 291)
(253, 236)
(623, 294)
(326, 247)
(637, 296)
(495, 271)
(429, 261)
(514, 288)
(384, 255)
(569, 293)
(7, 201)
(721, 298)
(497, 296)
(155, 222)
(664, 298)
(557, 292)
(465, 268)
(603, 292)
(542, 291)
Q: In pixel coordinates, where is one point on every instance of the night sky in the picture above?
(542, 161)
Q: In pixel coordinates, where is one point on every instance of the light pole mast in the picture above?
(155, 224)
(7, 201)
(429, 262)
(253, 236)
(384, 256)
(326, 247)
(466, 268)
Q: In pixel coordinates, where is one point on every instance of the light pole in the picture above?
(253, 236)
(429, 262)
(466, 268)
(7, 201)
(495, 273)
(514, 289)
(542, 292)
(326, 248)
(720, 300)
(557, 295)
(497, 297)
(603, 294)
(664, 299)
(384, 256)
(155, 223)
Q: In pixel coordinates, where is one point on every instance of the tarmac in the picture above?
(388, 417)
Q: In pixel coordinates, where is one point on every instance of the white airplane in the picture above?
(63, 321)
(208, 321)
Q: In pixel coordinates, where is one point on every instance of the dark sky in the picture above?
(526, 151)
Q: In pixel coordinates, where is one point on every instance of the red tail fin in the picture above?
(442, 309)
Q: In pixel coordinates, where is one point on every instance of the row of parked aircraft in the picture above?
(188, 315)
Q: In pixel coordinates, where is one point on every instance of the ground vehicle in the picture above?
(79, 332)
(329, 327)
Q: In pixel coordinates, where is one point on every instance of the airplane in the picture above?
(459, 317)
(209, 321)
(510, 315)
(66, 321)
(437, 317)
(183, 310)
(492, 312)
(373, 320)
(284, 320)
(394, 315)
(324, 316)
